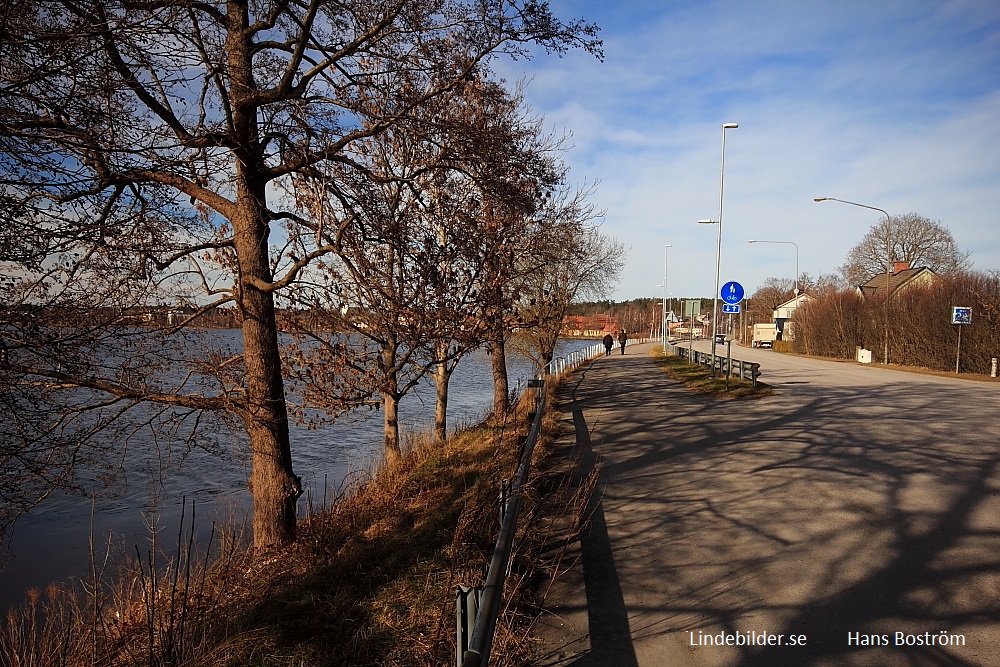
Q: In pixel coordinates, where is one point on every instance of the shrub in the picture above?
(782, 346)
(834, 324)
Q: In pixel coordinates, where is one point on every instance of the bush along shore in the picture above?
(370, 581)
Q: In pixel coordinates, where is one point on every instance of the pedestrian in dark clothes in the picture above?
(609, 343)
(622, 339)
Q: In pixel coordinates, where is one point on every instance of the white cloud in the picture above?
(890, 104)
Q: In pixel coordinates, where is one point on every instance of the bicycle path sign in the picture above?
(731, 292)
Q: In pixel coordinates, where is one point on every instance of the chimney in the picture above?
(899, 266)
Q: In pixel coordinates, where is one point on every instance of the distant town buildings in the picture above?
(588, 326)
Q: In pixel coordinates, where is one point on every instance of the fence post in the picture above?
(505, 486)
(466, 609)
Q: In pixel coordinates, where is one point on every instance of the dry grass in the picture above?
(147, 609)
(370, 581)
(698, 377)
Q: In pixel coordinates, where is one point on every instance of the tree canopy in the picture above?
(151, 152)
(908, 238)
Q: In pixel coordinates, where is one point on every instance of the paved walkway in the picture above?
(771, 520)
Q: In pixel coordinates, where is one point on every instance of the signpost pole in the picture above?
(729, 353)
(958, 354)
(960, 315)
(691, 337)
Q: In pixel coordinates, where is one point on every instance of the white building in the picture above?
(784, 312)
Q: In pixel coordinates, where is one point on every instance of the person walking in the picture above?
(622, 339)
(609, 343)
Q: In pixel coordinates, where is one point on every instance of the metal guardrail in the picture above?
(743, 369)
(557, 367)
(476, 609)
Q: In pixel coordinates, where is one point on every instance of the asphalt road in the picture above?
(856, 514)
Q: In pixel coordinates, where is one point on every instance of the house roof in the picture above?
(896, 280)
(794, 302)
(597, 321)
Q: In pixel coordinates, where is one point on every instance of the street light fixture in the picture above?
(718, 241)
(888, 263)
(796, 259)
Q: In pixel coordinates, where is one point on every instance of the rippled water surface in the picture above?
(52, 541)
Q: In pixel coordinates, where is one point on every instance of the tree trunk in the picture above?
(390, 403)
(498, 361)
(273, 484)
(548, 347)
(442, 375)
(390, 422)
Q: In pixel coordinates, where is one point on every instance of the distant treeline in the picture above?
(636, 315)
(86, 317)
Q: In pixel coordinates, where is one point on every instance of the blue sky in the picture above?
(894, 104)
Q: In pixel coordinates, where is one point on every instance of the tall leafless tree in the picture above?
(407, 276)
(146, 149)
(571, 260)
(506, 168)
(910, 238)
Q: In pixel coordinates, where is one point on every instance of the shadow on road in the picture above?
(607, 618)
(821, 511)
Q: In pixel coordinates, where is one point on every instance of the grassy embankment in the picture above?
(370, 581)
(698, 377)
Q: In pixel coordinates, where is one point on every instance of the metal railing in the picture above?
(477, 608)
(743, 369)
(557, 367)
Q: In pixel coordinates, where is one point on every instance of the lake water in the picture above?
(51, 542)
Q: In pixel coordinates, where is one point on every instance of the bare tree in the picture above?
(770, 294)
(506, 170)
(406, 281)
(571, 260)
(909, 238)
(145, 147)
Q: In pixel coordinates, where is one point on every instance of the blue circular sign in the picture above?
(731, 292)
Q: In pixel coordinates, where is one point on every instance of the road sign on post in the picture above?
(692, 308)
(731, 292)
(731, 308)
(960, 315)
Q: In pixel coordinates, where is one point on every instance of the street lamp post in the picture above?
(715, 299)
(796, 281)
(718, 241)
(663, 319)
(888, 264)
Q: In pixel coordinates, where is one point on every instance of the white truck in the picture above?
(764, 335)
